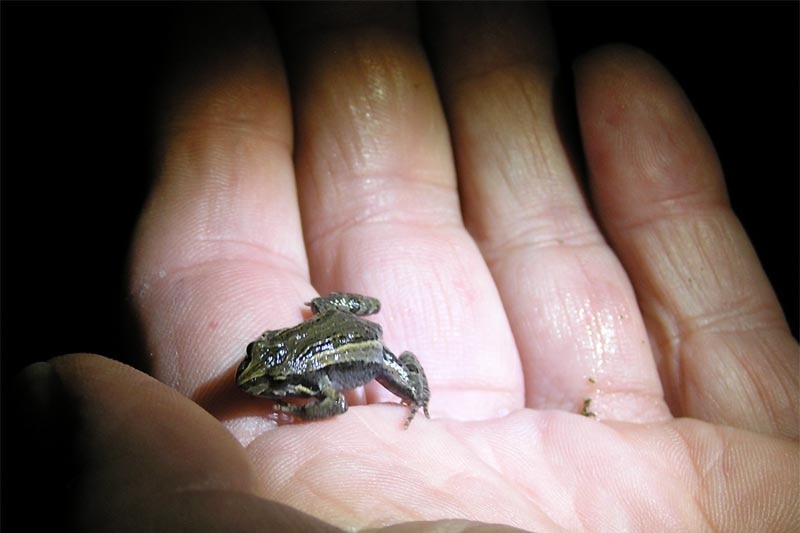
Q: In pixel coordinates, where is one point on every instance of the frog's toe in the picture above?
(414, 408)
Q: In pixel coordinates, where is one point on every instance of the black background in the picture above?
(78, 85)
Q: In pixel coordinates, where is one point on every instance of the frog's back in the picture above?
(330, 338)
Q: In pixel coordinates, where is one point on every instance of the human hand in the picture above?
(517, 297)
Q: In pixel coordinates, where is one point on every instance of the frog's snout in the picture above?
(249, 369)
(244, 364)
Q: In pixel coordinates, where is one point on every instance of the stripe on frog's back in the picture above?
(339, 349)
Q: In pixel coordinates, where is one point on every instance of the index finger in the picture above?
(218, 254)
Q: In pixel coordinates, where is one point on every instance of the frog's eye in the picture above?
(256, 349)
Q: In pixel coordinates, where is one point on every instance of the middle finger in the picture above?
(380, 205)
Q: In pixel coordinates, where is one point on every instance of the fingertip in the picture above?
(616, 62)
(613, 51)
(619, 79)
(642, 137)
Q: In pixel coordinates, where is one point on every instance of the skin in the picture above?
(455, 201)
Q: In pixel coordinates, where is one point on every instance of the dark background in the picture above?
(78, 85)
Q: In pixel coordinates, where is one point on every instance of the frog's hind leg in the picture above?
(405, 377)
(332, 403)
(348, 302)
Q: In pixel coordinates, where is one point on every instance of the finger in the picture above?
(570, 305)
(135, 453)
(218, 255)
(380, 205)
(724, 350)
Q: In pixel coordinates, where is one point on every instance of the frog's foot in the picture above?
(414, 408)
(420, 381)
(348, 302)
(333, 403)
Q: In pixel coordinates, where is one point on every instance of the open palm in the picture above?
(442, 185)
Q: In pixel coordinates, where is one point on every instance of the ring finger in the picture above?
(569, 302)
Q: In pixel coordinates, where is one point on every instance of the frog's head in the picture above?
(261, 373)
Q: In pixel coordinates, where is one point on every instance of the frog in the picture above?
(333, 350)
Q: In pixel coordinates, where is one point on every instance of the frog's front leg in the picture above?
(348, 302)
(332, 403)
(405, 377)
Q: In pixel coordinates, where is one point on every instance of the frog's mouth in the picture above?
(248, 372)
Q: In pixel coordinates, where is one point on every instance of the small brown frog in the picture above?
(334, 350)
